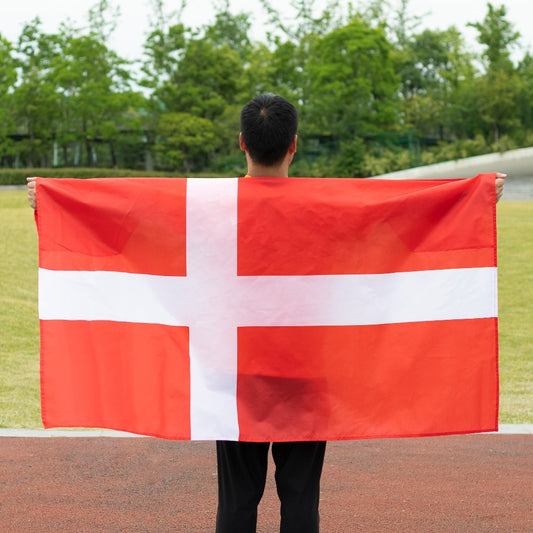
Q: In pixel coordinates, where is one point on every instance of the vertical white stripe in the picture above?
(212, 265)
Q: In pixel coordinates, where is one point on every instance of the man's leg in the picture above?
(242, 468)
(298, 471)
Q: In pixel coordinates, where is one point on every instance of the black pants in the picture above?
(242, 469)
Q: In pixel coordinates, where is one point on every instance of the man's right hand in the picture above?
(32, 197)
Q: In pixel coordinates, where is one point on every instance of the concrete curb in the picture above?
(515, 429)
(81, 433)
(504, 429)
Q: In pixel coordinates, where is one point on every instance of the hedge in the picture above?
(18, 176)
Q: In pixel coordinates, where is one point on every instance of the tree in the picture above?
(278, 70)
(163, 50)
(199, 74)
(292, 42)
(304, 21)
(500, 88)
(498, 94)
(8, 67)
(404, 23)
(353, 86)
(73, 91)
(185, 142)
(229, 29)
(208, 78)
(35, 99)
(525, 100)
(8, 78)
(349, 162)
(96, 100)
(498, 36)
(103, 18)
(432, 65)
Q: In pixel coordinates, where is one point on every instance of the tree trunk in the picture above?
(88, 152)
(113, 154)
(148, 160)
(30, 151)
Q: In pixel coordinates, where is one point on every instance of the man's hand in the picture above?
(32, 198)
(499, 183)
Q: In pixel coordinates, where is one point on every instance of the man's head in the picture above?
(268, 128)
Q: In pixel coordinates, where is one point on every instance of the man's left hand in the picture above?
(499, 183)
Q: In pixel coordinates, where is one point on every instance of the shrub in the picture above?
(18, 176)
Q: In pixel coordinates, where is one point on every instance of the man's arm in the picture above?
(32, 197)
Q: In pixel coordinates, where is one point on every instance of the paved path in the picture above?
(471, 483)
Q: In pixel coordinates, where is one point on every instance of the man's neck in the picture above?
(279, 170)
(261, 171)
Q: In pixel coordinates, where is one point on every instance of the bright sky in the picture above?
(135, 15)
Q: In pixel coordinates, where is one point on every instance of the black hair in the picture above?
(268, 126)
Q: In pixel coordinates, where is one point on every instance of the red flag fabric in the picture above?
(269, 309)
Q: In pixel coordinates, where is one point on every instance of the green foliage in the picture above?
(207, 80)
(185, 141)
(352, 82)
(382, 160)
(230, 30)
(496, 33)
(385, 160)
(35, 100)
(8, 77)
(95, 100)
(497, 109)
(163, 50)
(433, 67)
(502, 85)
(349, 162)
(275, 71)
(356, 75)
(103, 18)
(525, 97)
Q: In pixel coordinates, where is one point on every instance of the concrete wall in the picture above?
(514, 163)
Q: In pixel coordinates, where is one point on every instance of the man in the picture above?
(268, 138)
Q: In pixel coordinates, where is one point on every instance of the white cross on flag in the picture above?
(268, 309)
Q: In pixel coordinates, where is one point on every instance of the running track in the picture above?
(470, 483)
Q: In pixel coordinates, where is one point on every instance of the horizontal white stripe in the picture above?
(115, 296)
(271, 300)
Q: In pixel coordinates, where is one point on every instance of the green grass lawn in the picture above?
(19, 327)
(515, 278)
(19, 331)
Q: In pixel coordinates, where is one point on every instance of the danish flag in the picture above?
(268, 309)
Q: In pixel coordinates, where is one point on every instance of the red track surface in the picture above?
(479, 483)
